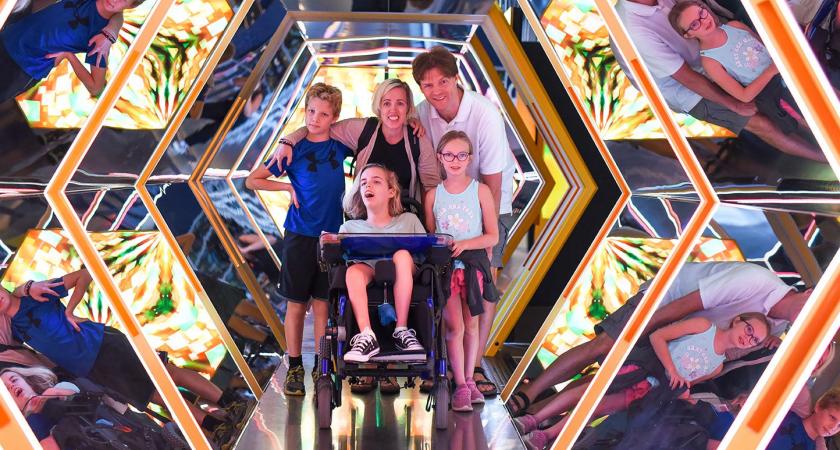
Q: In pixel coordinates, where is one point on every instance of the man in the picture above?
(674, 63)
(449, 107)
(717, 291)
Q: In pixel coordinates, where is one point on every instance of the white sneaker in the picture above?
(363, 347)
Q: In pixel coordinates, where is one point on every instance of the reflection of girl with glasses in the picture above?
(681, 354)
(464, 208)
(733, 57)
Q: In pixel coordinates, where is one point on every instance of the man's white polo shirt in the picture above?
(481, 120)
(662, 49)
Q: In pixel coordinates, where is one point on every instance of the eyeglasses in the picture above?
(750, 332)
(695, 24)
(449, 157)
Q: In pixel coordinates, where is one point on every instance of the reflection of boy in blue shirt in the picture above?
(32, 46)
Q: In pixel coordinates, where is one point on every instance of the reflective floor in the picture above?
(372, 421)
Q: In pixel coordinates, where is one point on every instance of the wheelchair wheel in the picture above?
(441, 393)
(323, 395)
(324, 390)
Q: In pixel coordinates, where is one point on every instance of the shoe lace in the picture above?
(408, 337)
(296, 373)
(361, 340)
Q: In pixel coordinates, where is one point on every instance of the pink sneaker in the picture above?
(536, 440)
(475, 395)
(461, 399)
(525, 424)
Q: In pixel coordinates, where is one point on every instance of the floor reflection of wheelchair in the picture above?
(425, 317)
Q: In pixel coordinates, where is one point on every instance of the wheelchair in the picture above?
(425, 317)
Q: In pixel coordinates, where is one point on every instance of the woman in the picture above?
(388, 140)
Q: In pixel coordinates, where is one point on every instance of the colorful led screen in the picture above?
(155, 286)
(617, 270)
(157, 86)
(620, 111)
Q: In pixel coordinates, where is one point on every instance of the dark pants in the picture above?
(13, 80)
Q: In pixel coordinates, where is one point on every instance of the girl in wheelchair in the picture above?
(463, 208)
(375, 207)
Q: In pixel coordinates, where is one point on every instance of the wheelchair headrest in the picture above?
(385, 272)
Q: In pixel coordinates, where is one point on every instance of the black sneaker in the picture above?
(364, 346)
(294, 381)
(406, 341)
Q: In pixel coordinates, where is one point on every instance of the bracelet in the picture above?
(286, 142)
(108, 36)
(26, 288)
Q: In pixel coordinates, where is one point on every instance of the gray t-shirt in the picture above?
(404, 223)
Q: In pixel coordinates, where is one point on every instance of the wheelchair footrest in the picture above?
(399, 356)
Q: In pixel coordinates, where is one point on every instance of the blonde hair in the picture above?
(39, 378)
(454, 135)
(327, 93)
(831, 399)
(355, 207)
(386, 87)
(679, 8)
(829, 352)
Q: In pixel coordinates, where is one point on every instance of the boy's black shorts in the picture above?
(117, 367)
(301, 277)
(13, 80)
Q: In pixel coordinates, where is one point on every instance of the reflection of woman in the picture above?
(735, 59)
(31, 388)
(390, 142)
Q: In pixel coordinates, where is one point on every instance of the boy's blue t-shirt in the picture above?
(64, 26)
(791, 434)
(44, 327)
(317, 175)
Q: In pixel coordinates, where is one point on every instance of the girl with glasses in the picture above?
(464, 208)
(679, 355)
(733, 57)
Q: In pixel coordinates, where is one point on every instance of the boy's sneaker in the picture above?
(406, 341)
(364, 346)
(294, 381)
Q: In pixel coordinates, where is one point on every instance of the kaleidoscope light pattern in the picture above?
(164, 303)
(620, 111)
(157, 86)
(618, 269)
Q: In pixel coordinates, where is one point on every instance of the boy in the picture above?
(93, 350)
(316, 189)
(32, 46)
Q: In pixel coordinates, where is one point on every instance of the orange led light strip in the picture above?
(580, 416)
(57, 198)
(585, 116)
(818, 321)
